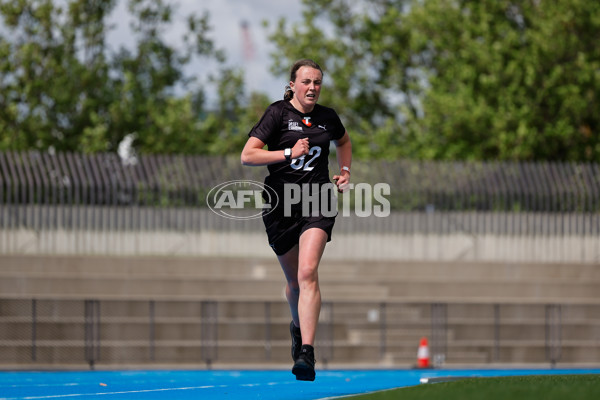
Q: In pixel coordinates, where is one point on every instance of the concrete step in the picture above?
(173, 288)
(260, 268)
(127, 267)
(498, 291)
(259, 279)
(142, 288)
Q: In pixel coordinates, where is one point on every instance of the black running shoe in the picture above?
(304, 367)
(296, 341)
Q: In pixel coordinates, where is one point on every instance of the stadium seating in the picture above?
(192, 311)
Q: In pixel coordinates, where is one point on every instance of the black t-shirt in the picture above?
(282, 126)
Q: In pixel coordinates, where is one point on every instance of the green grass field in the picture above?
(546, 387)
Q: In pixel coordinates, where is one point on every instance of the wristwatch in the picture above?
(288, 154)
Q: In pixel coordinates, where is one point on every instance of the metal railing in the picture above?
(51, 203)
(117, 332)
(29, 178)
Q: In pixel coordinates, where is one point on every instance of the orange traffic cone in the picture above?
(423, 354)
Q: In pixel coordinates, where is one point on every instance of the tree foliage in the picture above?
(360, 47)
(63, 86)
(427, 79)
(457, 79)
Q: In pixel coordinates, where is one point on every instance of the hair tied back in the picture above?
(289, 93)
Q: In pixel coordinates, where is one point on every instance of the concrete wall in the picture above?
(487, 247)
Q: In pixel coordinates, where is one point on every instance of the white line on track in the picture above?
(60, 396)
(38, 385)
(63, 396)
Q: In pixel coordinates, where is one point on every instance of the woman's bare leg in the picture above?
(300, 266)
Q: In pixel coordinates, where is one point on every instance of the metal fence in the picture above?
(113, 333)
(49, 202)
(177, 181)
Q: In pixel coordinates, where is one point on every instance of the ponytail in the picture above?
(288, 94)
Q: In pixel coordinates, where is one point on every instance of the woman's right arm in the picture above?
(254, 153)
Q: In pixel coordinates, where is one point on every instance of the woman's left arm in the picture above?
(344, 159)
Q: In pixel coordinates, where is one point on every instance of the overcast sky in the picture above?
(226, 18)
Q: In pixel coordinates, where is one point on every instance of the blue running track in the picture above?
(238, 385)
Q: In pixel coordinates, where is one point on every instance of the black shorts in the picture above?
(284, 232)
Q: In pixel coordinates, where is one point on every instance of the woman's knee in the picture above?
(308, 274)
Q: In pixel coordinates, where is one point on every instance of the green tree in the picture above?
(51, 73)
(228, 125)
(361, 47)
(63, 87)
(461, 79)
(510, 79)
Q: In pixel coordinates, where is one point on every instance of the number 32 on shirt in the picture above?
(299, 163)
